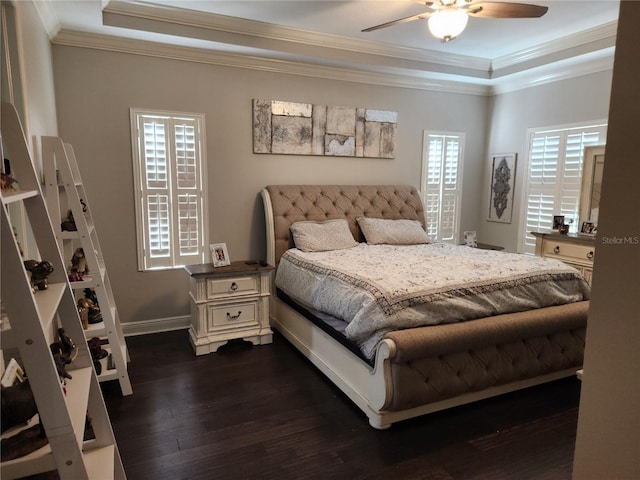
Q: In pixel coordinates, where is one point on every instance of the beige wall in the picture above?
(32, 93)
(95, 89)
(581, 99)
(37, 77)
(608, 438)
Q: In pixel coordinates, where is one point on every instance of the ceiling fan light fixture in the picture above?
(447, 24)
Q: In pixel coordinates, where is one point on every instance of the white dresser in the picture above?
(575, 250)
(227, 303)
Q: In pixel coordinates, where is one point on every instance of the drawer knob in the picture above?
(234, 317)
(234, 286)
(556, 249)
(590, 255)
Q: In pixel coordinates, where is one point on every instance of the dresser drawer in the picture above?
(569, 251)
(233, 316)
(232, 286)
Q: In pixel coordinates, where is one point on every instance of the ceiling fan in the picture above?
(448, 18)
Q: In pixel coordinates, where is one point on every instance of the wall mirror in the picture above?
(591, 187)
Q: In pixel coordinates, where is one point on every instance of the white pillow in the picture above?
(392, 232)
(311, 236)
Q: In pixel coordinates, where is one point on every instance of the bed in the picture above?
(398, 372)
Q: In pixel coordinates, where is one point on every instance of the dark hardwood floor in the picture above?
(265, 412)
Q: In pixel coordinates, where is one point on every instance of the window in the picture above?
(554, 177)
(442, 183)
(169, 171)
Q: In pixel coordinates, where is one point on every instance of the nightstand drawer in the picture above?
(568, 251)
(232, 286)
(232, 316)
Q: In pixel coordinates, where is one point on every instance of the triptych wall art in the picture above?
(503, 177)
(281, 127)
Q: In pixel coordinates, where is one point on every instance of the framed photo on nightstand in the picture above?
(219, 254)
(470, 239)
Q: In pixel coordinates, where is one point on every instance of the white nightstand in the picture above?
(228, 303)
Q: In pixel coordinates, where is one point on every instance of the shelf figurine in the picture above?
(69, 224)
(39, 271)
(78, 266)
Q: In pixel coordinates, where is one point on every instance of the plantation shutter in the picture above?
(187, 198)
(555, 178)
(156, 193)
(441, 184)
(170, 203)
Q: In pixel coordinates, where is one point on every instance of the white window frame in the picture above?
(171, 257)
(556, 181)
(442, 225)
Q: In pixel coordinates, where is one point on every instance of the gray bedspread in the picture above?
(379, 288)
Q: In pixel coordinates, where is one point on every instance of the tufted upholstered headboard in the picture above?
(286, 204)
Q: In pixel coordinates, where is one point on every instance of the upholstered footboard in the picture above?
(427, 369)
(436, 363)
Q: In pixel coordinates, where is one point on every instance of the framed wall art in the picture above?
(292, 128)
(503, 177)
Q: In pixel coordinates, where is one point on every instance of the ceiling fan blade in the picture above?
(505, 10)
(396, 22)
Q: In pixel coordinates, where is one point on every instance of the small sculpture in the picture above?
(58, 359)
(78, 266)
(89, 312)
(69, 224)
(64, 352)
(39, 272)
(83, 312)
(97, 353)
(8, 183)
(91, 295)
(95, 348)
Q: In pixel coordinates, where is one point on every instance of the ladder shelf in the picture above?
(65, 193)
(31, 320)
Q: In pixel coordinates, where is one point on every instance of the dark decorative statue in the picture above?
(69, 224)
(39, 272)
(64, 352)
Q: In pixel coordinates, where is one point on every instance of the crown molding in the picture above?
(199, 55)
(143, 16)
(300, 52)
(584, 65)
(48, 17)
(601, 37)
(589, 64)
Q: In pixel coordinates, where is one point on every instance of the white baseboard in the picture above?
(145, 327)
